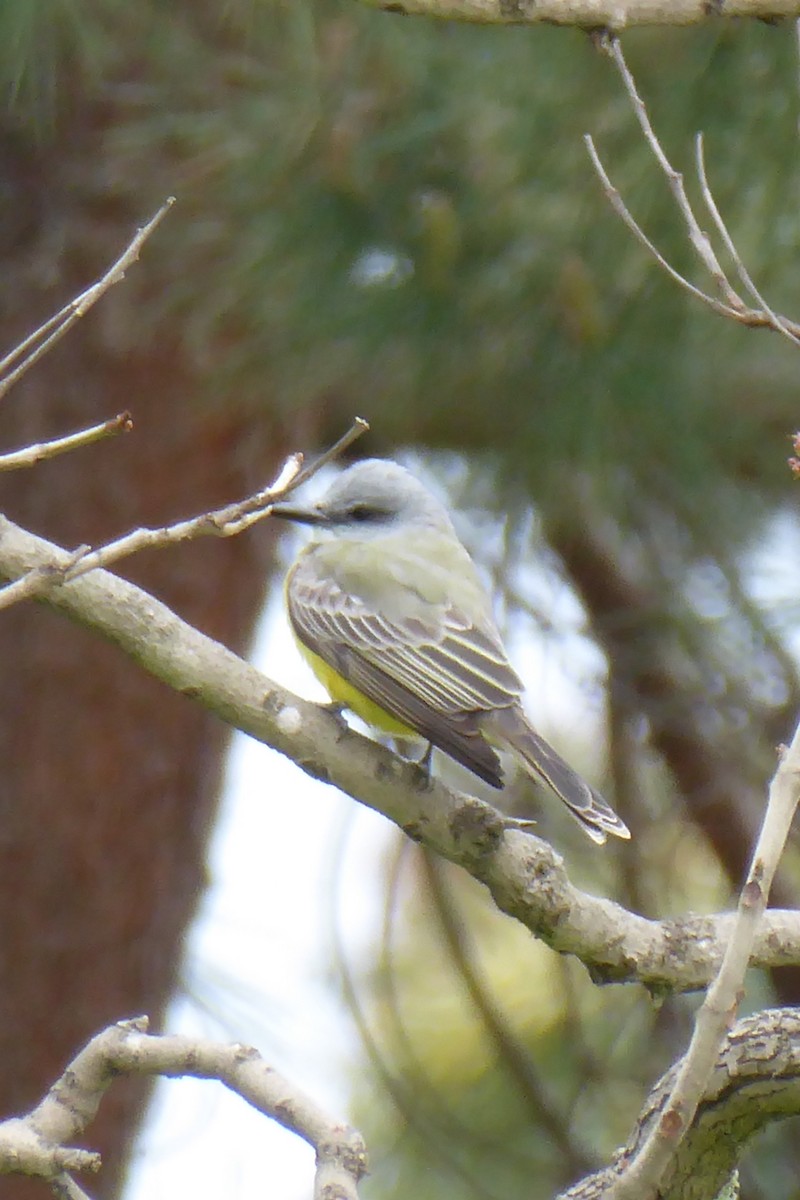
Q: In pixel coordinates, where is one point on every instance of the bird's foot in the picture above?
(336, 709)
(426, 762)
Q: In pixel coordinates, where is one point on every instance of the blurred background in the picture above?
(396, 218)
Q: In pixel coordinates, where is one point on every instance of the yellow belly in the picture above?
(342, 692)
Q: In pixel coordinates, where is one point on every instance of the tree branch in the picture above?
(37, 344)
(588, 14)
(222, 522)
(525, 876)
(728, 302)
(37, 1144)
(755, 1080)
(31, 455)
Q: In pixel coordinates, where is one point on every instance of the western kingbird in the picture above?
(395, 622)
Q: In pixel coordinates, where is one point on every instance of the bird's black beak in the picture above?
(305, 516)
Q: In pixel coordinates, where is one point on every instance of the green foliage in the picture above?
(398, 218)
(44, 43)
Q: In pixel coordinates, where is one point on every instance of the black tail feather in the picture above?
(538, 757)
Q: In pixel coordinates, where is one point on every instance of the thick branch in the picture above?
(525, 875)
(588, 14)
(756, 1080)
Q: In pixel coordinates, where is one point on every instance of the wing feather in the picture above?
(438, 673)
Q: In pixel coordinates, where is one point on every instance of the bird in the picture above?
(389, 609)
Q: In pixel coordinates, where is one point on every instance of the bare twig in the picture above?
(716, 1014)
(65, 1187)
(356, 430)
(697, 236)
(39, 579)
(37, 1143)
(731, 304)
(777, 322)
(31, 455)
(37, 344)
(228, 521)
(622, 210)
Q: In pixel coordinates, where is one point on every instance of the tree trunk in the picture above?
(107, 779)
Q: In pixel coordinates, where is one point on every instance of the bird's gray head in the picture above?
(371, 498)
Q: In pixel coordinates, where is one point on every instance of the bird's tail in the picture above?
(541, 761)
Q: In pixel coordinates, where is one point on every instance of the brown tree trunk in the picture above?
(107, 779)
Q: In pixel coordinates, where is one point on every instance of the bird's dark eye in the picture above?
(365, 512)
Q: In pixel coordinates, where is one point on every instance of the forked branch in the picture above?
(40, 1143)
(742, 301)
(755, 1081)
(36, 345)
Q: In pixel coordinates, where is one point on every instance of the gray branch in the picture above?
(612, 15)
(38, 1144)
(525, 876)
(756, 1081)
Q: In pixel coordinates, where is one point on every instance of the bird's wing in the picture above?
(437, 673)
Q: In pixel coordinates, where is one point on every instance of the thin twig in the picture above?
(697, 236)
(410, 1089)
(433, 1116)
(732, 305)
(37, 344)
(714, 1018)
(356, 430)
(37, 581)
(779, 323)
(31, 455)
(621, 209)
(228, 521)
(543, 1110)
(65, 1188)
